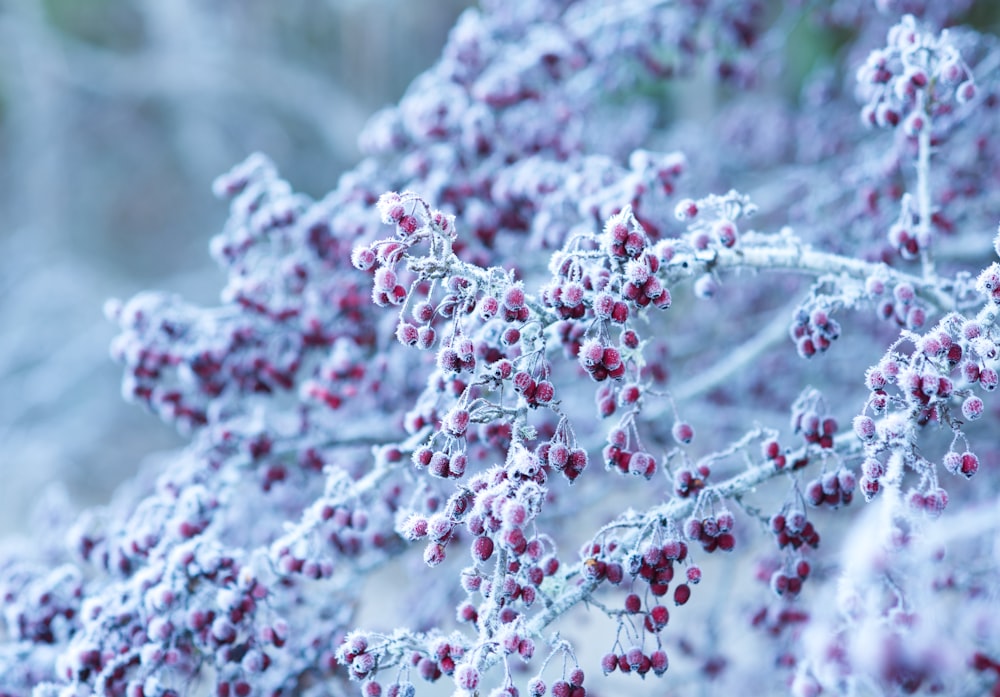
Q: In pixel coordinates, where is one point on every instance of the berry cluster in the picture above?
(813, 332)
(915, 78)
(513, 308)
(624, 238)
(966, 463)
(562, 453)
(690, 480)
(788, 583)
(811, 419)
(773, 452)
(619, 455)
(931, 502)
(635, 660)
(641, 287)
(654, 564)
(903, 307)
(712, 531)
(601, 360)
(831, 489)
(792, 529)
(457, 355)
(568, 686)
(534, 388)
(710, 221)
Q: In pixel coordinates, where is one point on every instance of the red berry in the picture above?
(682, 594)
(682, 432)
(609, 662)
(970, 464)
(659, 616)
(482, 548)
(658, 661)
(633, 603)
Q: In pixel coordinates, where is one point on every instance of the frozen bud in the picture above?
(886, 115)
(915, 318)
(456, 465)
(434, 554)
(464, 348)
(814, 493)
(457, 422)
(634, 244)
(448, 360)
(544, 392)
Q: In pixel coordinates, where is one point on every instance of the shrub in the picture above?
(523, 343)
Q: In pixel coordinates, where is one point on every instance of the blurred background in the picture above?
(115, 116)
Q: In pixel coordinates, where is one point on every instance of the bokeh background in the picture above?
(115, 116)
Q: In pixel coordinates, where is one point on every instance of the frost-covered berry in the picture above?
(682, 594)
(609, 662)
(482, 548)
(682, 432)
(686, 209)
(536, 687)
(725, 232)
(467, 677)
(363, 258)
(969, 464)
(633, 603)
(864, 427)
(513, 298)
(972, 407)
(488, 307)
